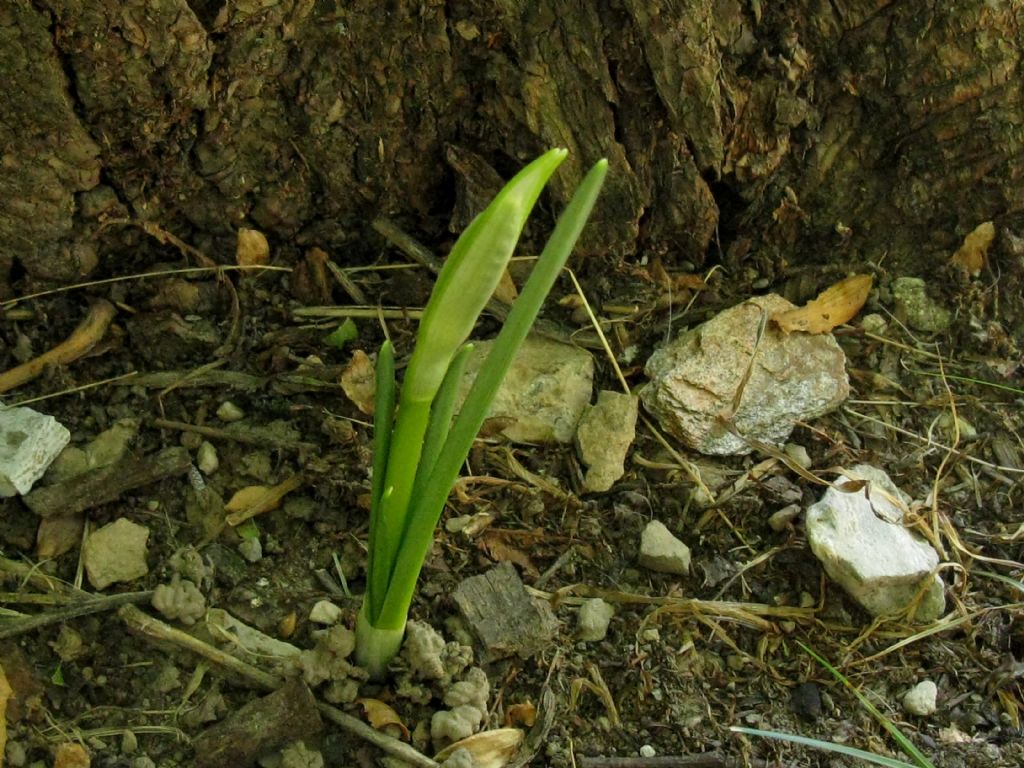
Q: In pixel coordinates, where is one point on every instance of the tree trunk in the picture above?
(752, 134)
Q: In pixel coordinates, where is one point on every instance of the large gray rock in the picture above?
(544, 393)
(695, 378)
(859, 537)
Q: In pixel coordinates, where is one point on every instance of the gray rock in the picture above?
(603, 437)
(858, 536)
(916, 308)
(920, 700)
(661, 551)
(29, 441)
(116, 552)
(694, 380)
(593, 619)
(544, 393)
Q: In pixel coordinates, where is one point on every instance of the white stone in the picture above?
(593, 619)
(115, 553)
(544, 392)
(859, 537)
(603, 437)
(29, 441)
(206, 458)
(695, 379)
(228, 411)
(647, 751)
(325, 612)
(920, 700)
(661, 551)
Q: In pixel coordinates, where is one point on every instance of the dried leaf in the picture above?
(5, 695)
(383, 718)
(524, 714)
(490, 749)
(257, 499)
(252, 248)
(58, 535)
(506, 292)
(497, 547)
(833, 307)
(971, 255)
(359, 381)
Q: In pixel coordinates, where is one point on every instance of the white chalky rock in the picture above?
(29, 441)
(920, 700)
(603, 437)
(858, 536)
(594, 617)
(116, 552)
(661, 551)
(325, 612)
(543, 394)
(695, 379)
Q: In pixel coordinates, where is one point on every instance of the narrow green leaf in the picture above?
(920, 759)
(342, 335)
(828, 746)
(383, 420)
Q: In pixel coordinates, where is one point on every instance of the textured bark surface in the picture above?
(795, 132)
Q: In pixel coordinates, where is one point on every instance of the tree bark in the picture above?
(803, 132)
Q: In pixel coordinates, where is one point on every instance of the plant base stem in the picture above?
(375, 648)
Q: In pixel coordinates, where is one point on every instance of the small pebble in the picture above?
(251, 550)
(647, 751)
(798, 454)
(593, 619)
(129, 743)
(780, 520)
(920, 700)
(207, 459)
(325, 612)
(228, 411)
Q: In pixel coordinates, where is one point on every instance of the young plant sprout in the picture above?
(417, 449)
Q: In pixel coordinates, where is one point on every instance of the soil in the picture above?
(685, 657)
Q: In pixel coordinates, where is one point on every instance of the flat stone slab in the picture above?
(29, 441)
(503, 615)
(694, 380)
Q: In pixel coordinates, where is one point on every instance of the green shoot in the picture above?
(920, 760)
(417, 449)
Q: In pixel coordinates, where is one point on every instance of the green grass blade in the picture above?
(919, 758)
(428, 506)
(828, 746)
(383, 420)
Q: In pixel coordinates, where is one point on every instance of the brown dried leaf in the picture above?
(524, 714)
(383, 718)
(252, 248)
(499, 550)
(257, 499)
(506, 292)
(5, 695)
(834, 306)
(359, 381)
(58, 535)
(971, 255)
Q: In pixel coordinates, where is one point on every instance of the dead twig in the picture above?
(153, 629)
(83, 606)
(88, 333)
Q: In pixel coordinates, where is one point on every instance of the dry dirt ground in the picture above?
(685, 657)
